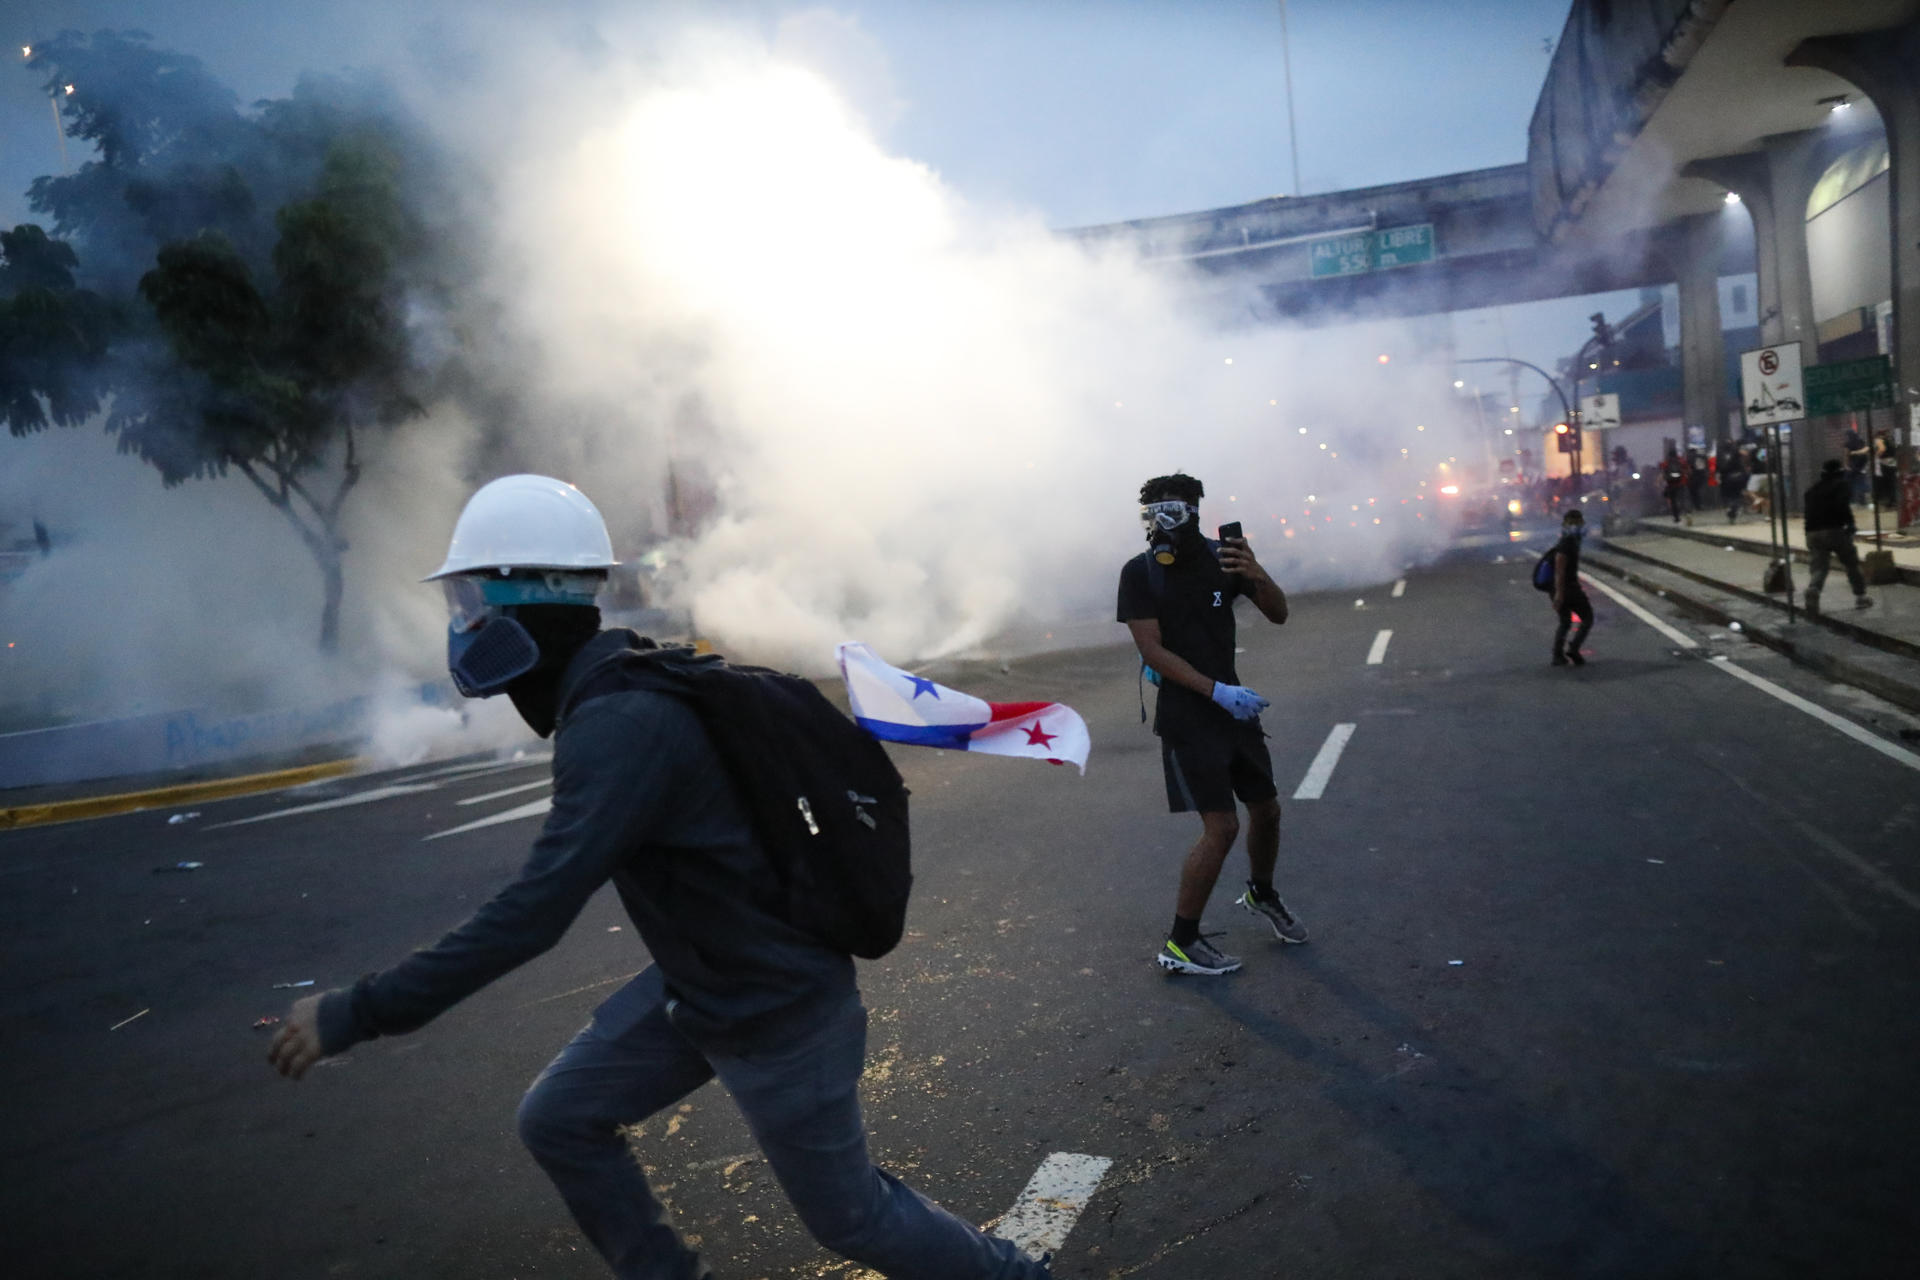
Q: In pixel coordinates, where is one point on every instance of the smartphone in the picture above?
(1230, 530)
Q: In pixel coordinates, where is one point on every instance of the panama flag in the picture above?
(898, 707)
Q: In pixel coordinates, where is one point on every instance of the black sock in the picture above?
(1184, 931)
(1262, 888)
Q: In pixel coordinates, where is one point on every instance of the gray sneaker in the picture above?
(1863, 602)
(1198, 956)
(1275, 913)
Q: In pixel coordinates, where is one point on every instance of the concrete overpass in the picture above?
(1652, 112)
(1286, 253)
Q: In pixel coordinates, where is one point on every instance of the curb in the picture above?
(33, 815)
(1900, 693)
(1858, 634)
(1903, 575)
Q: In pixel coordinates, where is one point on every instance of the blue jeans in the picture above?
(799, 1097)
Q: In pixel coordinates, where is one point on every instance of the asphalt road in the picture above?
(1613, 973)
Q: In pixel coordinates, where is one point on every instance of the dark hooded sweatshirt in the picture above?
(639, 798)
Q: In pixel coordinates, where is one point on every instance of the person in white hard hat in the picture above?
(735, 990)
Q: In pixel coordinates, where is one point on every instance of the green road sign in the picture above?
(1364, 251)
(1849, 385)
(1342, 255)
(1403, 246)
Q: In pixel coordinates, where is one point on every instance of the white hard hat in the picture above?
(528, 522)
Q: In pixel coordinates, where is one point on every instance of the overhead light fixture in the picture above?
(1733, 197)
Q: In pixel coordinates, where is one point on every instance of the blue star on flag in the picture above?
(921, 686)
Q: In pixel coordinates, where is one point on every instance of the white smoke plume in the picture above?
(887, 413)
(844, 401)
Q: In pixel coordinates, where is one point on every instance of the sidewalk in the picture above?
(1716, 572)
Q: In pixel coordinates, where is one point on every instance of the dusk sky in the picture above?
(1082, 111)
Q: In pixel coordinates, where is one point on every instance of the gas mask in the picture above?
(1168, 524)
(1574, 531)
(487, 647)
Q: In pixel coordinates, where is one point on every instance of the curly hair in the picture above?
(1178, 487)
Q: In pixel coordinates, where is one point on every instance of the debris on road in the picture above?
(288, 986)
(178, 866)
(124, 1021)
(267, 1021)
(179, 818)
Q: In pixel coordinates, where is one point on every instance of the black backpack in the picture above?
(824, 798)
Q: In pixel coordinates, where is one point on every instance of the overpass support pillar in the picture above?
(1774, 184)
(1703, 356)
(1881, 64)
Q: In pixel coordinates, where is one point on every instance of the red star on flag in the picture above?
(1035, 738)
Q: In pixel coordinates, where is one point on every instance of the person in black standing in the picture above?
(1177, 601)
(1829, 520)
(1733, 483)
(1569, 597)
(1673, 478)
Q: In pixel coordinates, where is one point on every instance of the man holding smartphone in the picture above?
(1177, 600)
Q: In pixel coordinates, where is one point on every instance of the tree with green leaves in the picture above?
(264, 344)
(53, 336)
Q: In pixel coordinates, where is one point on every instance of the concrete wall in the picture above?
(183, 740)
(1850, 252)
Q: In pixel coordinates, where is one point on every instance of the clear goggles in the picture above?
(1165, 515)
(473, 598)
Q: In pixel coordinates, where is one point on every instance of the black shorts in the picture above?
(1205, 772)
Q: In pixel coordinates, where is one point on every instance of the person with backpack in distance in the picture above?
(752, 979)
(1177, 601)
(1558, 571)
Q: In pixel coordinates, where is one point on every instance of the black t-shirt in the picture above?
(1569, 546)
(1193, 601)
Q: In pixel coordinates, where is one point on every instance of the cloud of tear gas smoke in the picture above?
(858, 406)
(841, 400)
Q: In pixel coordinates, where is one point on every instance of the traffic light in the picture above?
(1567, 437)
(1602, 331)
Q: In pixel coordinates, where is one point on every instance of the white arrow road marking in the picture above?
(1321, 770)
(1055, 1196)
(533, 810)
(1399, 588)
(364, 797)
(1378, 654)
(510, 791)
(1794, 700)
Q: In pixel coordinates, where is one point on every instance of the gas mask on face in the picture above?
(1168, 524)
(487, 647)
(1574, 531)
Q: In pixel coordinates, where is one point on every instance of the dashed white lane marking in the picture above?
(533, 810)
(1378, 654)
(1054, 1198)
(364, 797)
(1794, 700)
(509, 791)
(1321, 770)
(1399, 588)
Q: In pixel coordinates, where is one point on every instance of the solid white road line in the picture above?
(1378, 654)
(510, 791)
(1399, 588)
(1794, 700)
(533, 810)
(364, 797)
(1321, 769)
(1055, 1196)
